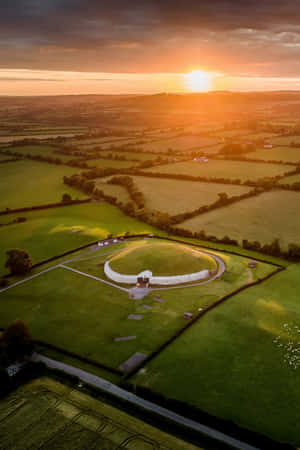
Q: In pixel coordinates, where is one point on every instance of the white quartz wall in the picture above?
(165, 281)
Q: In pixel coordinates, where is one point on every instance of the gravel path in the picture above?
(29, 278)
(94, 278)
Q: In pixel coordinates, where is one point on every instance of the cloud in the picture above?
(27, 79)
(151, 35)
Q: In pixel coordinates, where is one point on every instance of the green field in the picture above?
(243, 360)
(176, 197)
(230, 133)
(133, 155)
(114, 190)
(260, 136)
(61, 305)
(5, 157)
(40, 149)
(285, 154)
(30, 183)
(180, 143)
(54, 231)
(104, 163)
(104, 142)
(263, 218)
(47, 414)
(223, 169)
(161, 258)
(30, 129)
(39, 135)
(211, 150)
(285, 140)
(290, 180)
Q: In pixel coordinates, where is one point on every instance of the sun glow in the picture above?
(198, 81)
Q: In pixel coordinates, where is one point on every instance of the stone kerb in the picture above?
(165, 281)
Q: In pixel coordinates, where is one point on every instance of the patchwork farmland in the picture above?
(186, 200)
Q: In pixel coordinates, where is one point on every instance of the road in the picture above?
(116, 391)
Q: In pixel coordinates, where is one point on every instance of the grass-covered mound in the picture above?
(162, 258)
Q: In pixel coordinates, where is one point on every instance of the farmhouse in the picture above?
(268, 145)
(202, 159)
(252, 264)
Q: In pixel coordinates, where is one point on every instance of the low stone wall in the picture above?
(163, 281)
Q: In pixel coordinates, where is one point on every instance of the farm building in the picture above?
(252, 264)
(268, 145)
(202, 159)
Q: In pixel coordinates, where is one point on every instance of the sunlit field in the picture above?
(241, 342)
(268, 216)
(223, 169)
(40, 150)
(176, 197)
(58, 230)
(30, 183)
(284, 154)
(180, 143)
(242, 360)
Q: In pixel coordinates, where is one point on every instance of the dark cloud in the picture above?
(28, 79)
(149, 35)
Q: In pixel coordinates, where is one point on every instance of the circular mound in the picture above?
(162, 259)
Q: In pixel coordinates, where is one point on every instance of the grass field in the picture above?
(20, 137)
(285, 140)
(133, 155)
(31, 183)
(243, 360)
(174, 196)
(211, 150)
(111, 163)
(230, 133)
(290, 180)
(60, 306)
(53, 231)
(37, 129)
(260, 136)
(181, 143)
(40, 149)
(161, 258)
(263, 218)
(113, 189)
(223, 169)
(5, 157)
(104, 142)
(285, 154)
(45, 413)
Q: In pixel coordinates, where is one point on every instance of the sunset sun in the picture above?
(198, 81)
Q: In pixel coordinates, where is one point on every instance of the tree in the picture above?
(18, 261)
(66, 198)
(223, 197)
(17, 341)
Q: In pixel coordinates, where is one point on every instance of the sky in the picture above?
(148, 46)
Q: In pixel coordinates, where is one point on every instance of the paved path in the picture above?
(111, 388)
(29, 278)
(94, 278)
